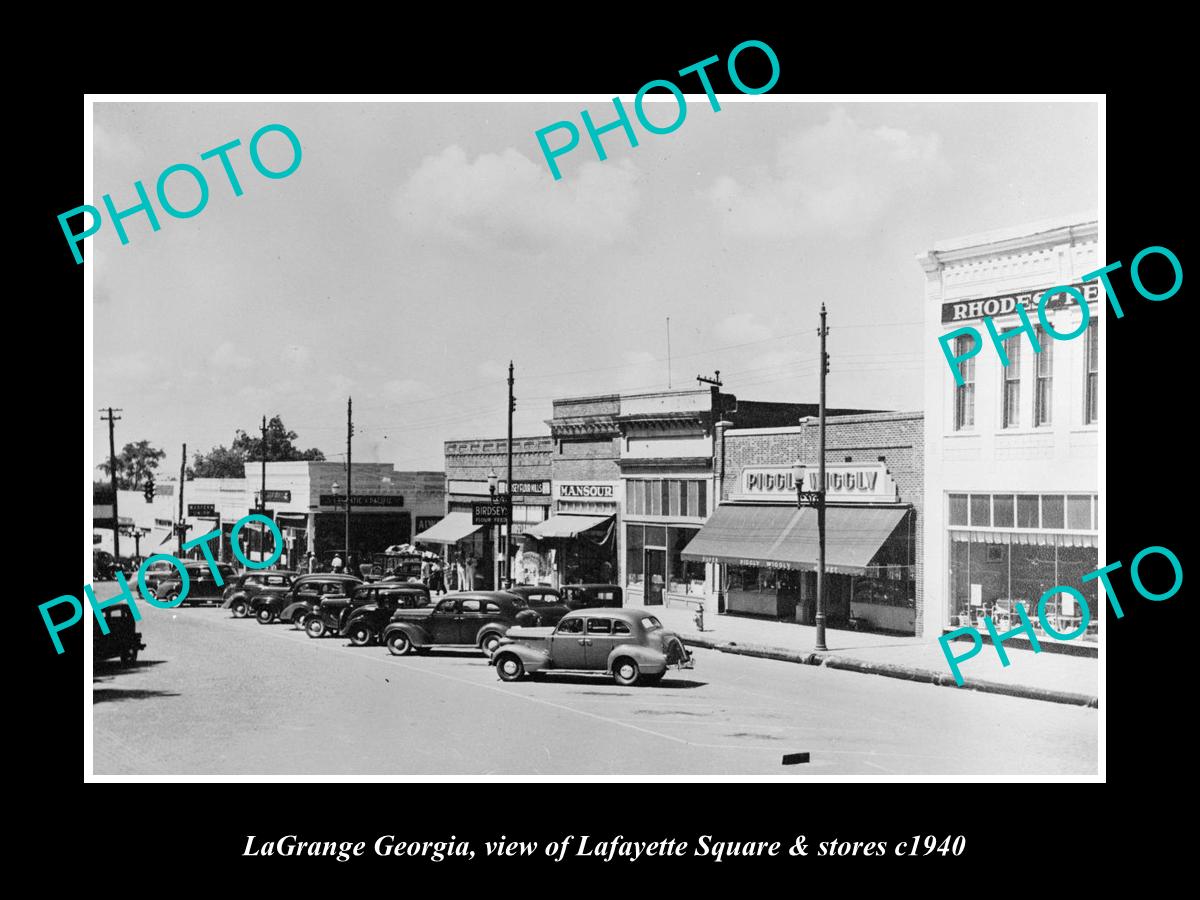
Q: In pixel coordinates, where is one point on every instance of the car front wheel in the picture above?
(239, 609)
(129, 657)
(265, 616)
(315, 627)
(360, 635)
(398, 644)
(625, 671)
(510, 667)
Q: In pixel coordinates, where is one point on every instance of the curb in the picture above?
(892, 670)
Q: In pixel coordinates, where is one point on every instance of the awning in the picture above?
(449, 530)
(783, 537)
(564, 526)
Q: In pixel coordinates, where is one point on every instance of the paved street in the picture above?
(217, 695)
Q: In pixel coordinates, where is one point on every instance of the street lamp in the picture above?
(493, 481)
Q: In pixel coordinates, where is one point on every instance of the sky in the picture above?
(419, 247)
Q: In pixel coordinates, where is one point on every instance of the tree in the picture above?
(135, 463)
(230, 462)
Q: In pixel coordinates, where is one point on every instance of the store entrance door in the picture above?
(656, 571)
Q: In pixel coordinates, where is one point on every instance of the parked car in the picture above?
(123, 638)
(472, 619)
(545, 604)
(332, 613)
(296, 603)
(202, 585)
(103, 565)
(628, 644)
(366, 622)
(592, 596)
(247, 585)
(158, 572)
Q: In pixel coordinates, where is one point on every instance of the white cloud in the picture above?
(227, 356)
(405, 389)
(742, 328)
(508, 201)
(835, 178)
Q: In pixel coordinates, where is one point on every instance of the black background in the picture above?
(1035, 834)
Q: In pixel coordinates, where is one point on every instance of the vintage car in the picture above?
(334, 611)
(296, 603)
(366, 622)
(123, 638)
(629, 644)
(158, 572)
(472, 619)
(202, 586)
(103, 565)
(240, 591)
(591, 596)
(544, 604)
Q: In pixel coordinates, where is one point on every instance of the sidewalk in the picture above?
(1056, 677)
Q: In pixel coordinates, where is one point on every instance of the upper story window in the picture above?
(1011, 401)
(964, 394)
(1044, 371)
(1091, 391)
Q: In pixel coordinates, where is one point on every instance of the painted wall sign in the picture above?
(861, 483)
(569, 489)
(362, 500)
(962, 310)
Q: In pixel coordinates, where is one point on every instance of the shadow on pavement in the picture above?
(106, 695)
(116, 667)
(667, 683)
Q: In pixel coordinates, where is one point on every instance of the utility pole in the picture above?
(262, 497)
(820, 618)
(512, 405)
(349, 435)
(719, 424)
(112, 473)
(182, 524)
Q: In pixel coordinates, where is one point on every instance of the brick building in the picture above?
(471, 467)
(765, 546)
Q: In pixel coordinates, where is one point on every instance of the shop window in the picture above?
(1079, 512)
(702, 502)
(1044, 363)
(981, 510)
(665, 489)
(1052, 511)
(1027, 511)
(634, 561)
(964, 394)
(1002, 511)
(1091, 402)
(683, 576)
(1012, 386)
(958, 509)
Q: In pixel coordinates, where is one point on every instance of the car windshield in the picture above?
(650, 623)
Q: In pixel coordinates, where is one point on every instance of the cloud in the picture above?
(836, 178)
(507, 201)
(296, 356)
(742, 328)
(110, 145)
(405, 389)
(227, 356)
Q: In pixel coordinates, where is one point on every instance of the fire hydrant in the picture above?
(699, 619)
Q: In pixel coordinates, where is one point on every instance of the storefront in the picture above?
(475, 469)
(578, 542)
(765, 547)
(1013, 452)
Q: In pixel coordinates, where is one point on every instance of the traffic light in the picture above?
(148, 491)
(512, 404)
(826, 363)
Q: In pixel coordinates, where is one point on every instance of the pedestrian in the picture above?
(426, 570)
(311, 562)
(337, 562)
(436, 582)
(469, 573)
(451, 577)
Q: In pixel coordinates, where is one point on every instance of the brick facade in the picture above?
(897, 437)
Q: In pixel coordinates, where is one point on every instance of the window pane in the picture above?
(958, 509)
(629, 492)
(1091, 403)
(1052, 511)
(1079, 511)
(1027, 510)
(633, 554)
(702, 502)
(656, 536)
(981, 509)
(1002, 510)
(694, 498)
(665, 489)
(683, 576)
(685, 489)
(654, 507)
(674, 485)
(1042, 397)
